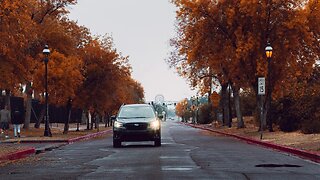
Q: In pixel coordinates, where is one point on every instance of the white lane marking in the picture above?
(174, 168)
(172, 157)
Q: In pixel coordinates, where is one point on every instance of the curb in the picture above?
(88, 136)
(18, 154)
(23, 153)
(48, 148)
(301, 153)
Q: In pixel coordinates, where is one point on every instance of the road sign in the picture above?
(215, 99)
(261, 86)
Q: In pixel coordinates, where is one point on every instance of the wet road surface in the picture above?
(186, 153)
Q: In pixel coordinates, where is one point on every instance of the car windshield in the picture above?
(128, 112)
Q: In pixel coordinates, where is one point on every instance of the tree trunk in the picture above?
(210, 91)
(91, 121)
(7, 99)
(97, 121)
(225, 105)
(229, 106)
(39, 120)
(66, 124)
(88, 119)
(238, 106)
(211, 113)
(107, 120)
(28, 106)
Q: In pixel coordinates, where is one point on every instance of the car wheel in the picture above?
(157, 142)
(116, 143)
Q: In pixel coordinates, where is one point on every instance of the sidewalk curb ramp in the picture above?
(30, 151)
(315, 157)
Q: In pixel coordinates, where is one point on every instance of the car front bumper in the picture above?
(136, 135)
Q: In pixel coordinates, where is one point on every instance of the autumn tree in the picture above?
(79, 64)
(182, 109)
(16, 29)
(23, 28)
(107, 77)
(230, 38)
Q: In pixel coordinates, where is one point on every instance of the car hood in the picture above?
(135, 120)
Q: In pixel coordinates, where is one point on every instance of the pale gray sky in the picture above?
(141, 29)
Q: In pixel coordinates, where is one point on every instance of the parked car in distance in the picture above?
(136, 122)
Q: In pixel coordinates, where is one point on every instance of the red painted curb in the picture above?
(18, 154)
(301, 153)
(24, 153)
(88, 136)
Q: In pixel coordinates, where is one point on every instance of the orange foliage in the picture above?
(181, 108)
(229, 38)
(81, 67)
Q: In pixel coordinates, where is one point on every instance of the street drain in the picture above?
(277, 165)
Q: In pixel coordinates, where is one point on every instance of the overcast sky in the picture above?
(141, 29)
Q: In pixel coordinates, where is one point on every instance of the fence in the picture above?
(56, 114)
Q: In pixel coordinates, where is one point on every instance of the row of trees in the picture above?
(224, 42)
(84, 68)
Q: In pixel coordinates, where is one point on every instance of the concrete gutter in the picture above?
(298, 152)
(31, 151)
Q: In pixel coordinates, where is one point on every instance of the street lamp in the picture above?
(46, 53)
(261, 87)
(269, 51)
(269, 56)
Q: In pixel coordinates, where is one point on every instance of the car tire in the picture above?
(116, 143)
(157, 142)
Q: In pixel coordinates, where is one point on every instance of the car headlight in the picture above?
(118, 124)
(155, 125)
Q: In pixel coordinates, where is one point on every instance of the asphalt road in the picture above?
(186, 153)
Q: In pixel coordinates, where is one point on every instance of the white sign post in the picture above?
(261, 86)
(261, 92)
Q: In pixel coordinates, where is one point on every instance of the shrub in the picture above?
(248, 103)
(284, 114)
(311, 127)
(301, 113)
(204, 114)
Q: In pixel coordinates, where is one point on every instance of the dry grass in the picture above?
(56, 130)
(38, 134)
(310, 142)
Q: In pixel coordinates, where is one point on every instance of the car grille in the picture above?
(136, 126)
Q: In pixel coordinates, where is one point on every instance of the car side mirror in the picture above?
(113, 117)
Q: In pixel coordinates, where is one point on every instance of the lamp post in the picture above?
(46, 53)
(261, 87)
(197, 110)
(269, 56)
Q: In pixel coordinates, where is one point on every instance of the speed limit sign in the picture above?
(261, 86)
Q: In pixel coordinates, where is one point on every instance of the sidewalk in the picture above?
(303, 145)
(33, 142)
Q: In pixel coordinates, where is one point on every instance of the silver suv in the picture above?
(136, 122)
